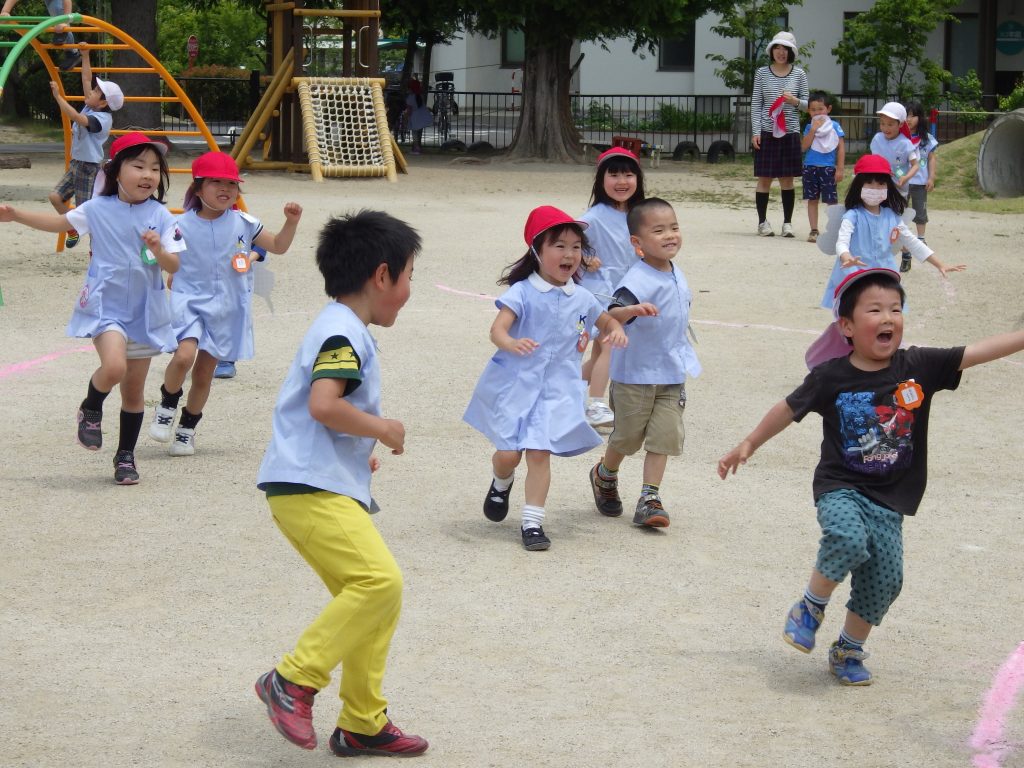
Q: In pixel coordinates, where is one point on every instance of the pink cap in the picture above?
(872, 164)
(544, 218)
(833, 343)
(215, 165)
(608, 154)
(133, 139)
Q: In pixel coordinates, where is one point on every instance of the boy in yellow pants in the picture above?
(316, 474)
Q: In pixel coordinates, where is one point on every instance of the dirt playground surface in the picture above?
(135, 620)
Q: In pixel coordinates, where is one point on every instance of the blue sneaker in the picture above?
(225, 370)
(847, 664)
(802, 623)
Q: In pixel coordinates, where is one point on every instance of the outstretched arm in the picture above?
(46, 222)
(777, 419)
(613, 335)
(281, 241)
(992, 348)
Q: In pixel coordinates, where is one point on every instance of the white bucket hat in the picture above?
(783, 38)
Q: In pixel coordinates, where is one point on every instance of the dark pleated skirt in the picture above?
(778, 157)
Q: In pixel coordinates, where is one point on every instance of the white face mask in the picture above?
(874, 196)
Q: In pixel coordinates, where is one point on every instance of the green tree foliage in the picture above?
(755, 22)
(546, 129)
(888, 43)
(230, 34)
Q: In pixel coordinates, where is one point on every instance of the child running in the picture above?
(872, 224)
(874, 399)
(893, 142)
(618, 185)
(924, 181)
(530, 396)
(316, 474)
(648, 391)
(211, 295)
(123, 306)
(824, 159)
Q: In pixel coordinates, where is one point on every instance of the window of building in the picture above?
(513, 48)
(962, 44)
(676, 54)
(853, 74)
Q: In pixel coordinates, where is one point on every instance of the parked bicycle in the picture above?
(444, 108)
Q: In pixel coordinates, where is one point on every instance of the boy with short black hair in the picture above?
(648, 377)
(824, 158)
(316, 474)
(89, 131)
(874, 399)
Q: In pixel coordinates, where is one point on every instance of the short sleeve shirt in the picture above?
(873, 441)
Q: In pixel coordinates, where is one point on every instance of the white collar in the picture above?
(544, 286)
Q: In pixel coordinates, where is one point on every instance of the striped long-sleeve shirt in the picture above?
(767, 88)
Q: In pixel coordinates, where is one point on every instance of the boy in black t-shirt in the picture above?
(874, 402)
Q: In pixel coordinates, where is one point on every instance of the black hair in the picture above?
(352, 246)
(824, 97)
(849, 298)
(923, 124)
(790, 55)
(635, 217)
(895, 200)
(529, 262)
(113, 169)
(617, 164)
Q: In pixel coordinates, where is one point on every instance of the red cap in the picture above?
(215, 165)
(133, 139)
(872, 164)
(608, 154)
(853, 277)
(544, 218)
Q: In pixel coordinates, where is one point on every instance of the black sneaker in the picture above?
(906, 262)
(606, 494)
(650, 513)
(90, 429)
(534, 539)
(124, 468)
(70, 60)
(496, 503)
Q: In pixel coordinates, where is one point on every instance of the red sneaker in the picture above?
(390, 742)
(289, 707)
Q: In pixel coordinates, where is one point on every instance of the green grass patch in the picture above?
(34, 130)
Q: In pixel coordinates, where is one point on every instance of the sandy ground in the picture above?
(135, 620)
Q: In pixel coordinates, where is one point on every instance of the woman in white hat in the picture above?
(780, 91)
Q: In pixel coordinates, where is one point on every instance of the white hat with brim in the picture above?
(783, 38)
(895, 110)
(112, 93)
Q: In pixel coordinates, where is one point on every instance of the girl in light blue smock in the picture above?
(618, 186)
(872, 225)
(530, 395)
(211, 295)
(123, 306)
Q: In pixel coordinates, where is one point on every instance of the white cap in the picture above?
(112, 93)
(783, 38)
(895, 110)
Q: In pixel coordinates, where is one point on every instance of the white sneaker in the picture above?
(599, 414)
(163, 420)
(184, 442)
(787, 229)
(764, 229)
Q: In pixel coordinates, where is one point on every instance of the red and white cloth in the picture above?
(905, 130)
(778, 117)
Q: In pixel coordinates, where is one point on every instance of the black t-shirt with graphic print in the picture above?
(871, 442)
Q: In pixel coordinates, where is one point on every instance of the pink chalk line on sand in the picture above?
(13, 369)
(989, 740)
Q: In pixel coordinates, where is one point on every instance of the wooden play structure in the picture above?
(328, 126)
(95, 35)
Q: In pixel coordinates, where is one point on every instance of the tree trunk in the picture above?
(137, 18)
(546, 129)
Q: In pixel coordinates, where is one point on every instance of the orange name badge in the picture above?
(909, 395)
(240, 261)
(582, 341)
(894, 235)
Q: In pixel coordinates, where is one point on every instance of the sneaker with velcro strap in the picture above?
(390, 742)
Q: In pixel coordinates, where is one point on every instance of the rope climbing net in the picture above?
(345, 127)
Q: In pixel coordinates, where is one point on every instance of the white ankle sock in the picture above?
(533, 517)
(503, 484)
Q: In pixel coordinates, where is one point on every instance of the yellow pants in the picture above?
(338, 539)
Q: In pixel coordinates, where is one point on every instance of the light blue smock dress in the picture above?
(210, 301)
(121, 290)
(536, 401)
(609, 237)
